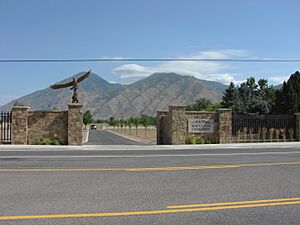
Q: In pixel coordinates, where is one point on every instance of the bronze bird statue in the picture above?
(73, 84)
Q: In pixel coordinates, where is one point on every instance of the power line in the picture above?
(148, 60)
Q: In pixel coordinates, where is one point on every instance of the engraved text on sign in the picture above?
(201, 126)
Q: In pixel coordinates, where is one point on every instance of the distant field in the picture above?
(147, 135)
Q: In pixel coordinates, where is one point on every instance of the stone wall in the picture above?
(29, 127)
(225, 125)
(173, 125)
(178, 124)
(47, 125)
(210, 137)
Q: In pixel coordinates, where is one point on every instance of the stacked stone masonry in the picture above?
(19, 125)
(172, 126)
(47, 125)
(74, 124)
(30, 127)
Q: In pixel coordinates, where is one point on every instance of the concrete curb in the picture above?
(194, 147)
(149, 147)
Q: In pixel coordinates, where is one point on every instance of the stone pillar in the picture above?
(225, 125)
(178, 125)
(162, 128)
(297, 126)
(74, 124)
(19, 125)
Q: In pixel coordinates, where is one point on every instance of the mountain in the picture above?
(93, 87)
(278, 86)
(145, 96)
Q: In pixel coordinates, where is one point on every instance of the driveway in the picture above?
(102, 137)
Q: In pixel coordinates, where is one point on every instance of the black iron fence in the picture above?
(5, 127)
(263, 127)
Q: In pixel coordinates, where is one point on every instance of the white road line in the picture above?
(145, 156)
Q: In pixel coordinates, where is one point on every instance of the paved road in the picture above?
(224, 186)
(102, 137)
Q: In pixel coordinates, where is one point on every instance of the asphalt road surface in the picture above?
(102, 137)
(213, 186)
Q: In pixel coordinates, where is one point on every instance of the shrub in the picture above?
(251, 134)
(271, 134)
(291, 134)
(245, 134)
(190, 140)
(258, 134)
(208, 140)
(238, 136)
(264, 134)
(277, 131)
(200, 140)
(283, 133)
(47, 141)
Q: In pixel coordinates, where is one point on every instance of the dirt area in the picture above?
(143, 135)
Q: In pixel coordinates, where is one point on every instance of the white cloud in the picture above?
(132, 69)
(224, 78)
(213, 71)
(278, 79)
(132, 72)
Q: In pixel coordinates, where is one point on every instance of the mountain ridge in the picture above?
(145, 96)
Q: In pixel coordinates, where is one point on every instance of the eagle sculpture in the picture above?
(73, 84)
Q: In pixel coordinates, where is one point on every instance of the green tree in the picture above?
(122, 123)
(129, 123)
(87, 118)
(230, 96)
(135, 121)
(213, 107)
(202, 104)
(250, 97)
(145, 121)
(101, 121)
(152, 121)
(266, 93)
(288, 97)
(112, 121)
(247, 97)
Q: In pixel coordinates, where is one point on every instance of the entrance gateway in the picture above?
(5, 127)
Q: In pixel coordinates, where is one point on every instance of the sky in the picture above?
(73, 29)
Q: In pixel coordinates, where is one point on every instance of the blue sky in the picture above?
(43, 29)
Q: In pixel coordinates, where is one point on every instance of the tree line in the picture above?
(143, 120)
(251, 97)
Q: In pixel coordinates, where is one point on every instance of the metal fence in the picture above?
(256, 124)
(5, 127)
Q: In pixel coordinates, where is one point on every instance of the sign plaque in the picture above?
(201, 126)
